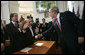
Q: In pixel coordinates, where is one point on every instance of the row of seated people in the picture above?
(18, 35)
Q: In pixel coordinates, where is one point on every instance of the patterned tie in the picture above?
(58, 25)
(16, 25)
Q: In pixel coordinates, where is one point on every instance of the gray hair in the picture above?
(54, 9)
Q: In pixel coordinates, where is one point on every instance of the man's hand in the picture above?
(80, 40)
(36, 29)
(2, 47)
(25, 26)
(38, 36)
(21, 25)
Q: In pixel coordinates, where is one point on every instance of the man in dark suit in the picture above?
(66, 26)
(29, 33)
(37, 24)
(13, 34)
(44, 25)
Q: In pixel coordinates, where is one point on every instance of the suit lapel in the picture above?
(61, 19)
(56, 26)
(12, 25)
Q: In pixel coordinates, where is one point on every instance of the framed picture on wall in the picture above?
(42, 6)
(46, 14)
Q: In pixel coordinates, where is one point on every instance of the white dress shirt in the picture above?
(31, 30)
(13, 23)
(58, 18)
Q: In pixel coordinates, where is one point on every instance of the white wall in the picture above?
(25, 8)
(62, 5)
(14, 7)
(5, 14)
(8, 7)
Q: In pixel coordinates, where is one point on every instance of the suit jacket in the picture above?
(28, 37)
(36, 25)
(53, 35)
(44, 27)
(70, 28)
(2, 36)
(16, 37)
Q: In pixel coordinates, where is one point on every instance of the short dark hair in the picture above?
(43, 19)
(37, 18)
(28, 17)
(31, 17)
(11, 15)
(21, 19)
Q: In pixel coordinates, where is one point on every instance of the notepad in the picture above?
(25, 49)
(39, 44)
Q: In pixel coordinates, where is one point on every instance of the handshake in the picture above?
(38, 36)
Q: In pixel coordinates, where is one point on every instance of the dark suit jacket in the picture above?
(2, 36)
(28, 38)
(36, 25)
(70, 28)
(44, 28)
(50, 37)
(16, 37)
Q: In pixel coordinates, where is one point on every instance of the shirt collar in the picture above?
(13, 22)
(58, 16)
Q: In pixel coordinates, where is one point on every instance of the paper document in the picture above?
(25, 49)
(39, 44)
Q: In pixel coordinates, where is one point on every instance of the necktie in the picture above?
(16, 25)
(58, 25)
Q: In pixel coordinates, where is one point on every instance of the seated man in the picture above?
(29, 33)
(37, 24)
(44, 25)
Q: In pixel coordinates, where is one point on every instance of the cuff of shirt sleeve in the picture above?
(24, 31)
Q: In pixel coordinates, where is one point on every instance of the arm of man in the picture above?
(47, 32)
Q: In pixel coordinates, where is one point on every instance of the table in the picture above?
(47, 48)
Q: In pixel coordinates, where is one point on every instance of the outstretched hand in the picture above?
(38, 36)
